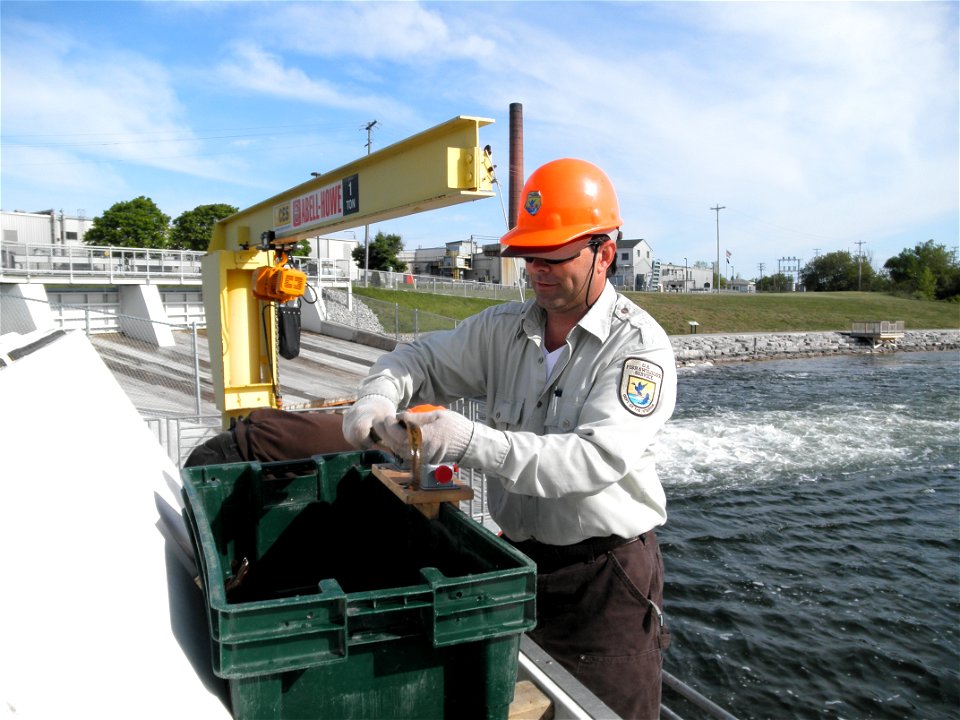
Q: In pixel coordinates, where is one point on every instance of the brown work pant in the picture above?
(597, 619)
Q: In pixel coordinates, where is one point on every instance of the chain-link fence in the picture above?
(163, 368)
(382, 317)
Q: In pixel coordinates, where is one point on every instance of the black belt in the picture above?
(553, 557)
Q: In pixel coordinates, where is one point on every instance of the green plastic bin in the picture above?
(327, 597)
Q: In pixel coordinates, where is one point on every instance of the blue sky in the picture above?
(817, 126)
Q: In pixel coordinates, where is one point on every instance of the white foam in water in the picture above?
(778, 445)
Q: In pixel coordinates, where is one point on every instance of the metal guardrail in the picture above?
(77, 263)
(438, 285)
(696, 700)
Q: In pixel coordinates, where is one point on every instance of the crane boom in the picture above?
(439, 167)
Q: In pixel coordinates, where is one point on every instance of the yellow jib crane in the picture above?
(243, 271)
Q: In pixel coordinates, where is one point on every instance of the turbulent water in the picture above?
(812, 550)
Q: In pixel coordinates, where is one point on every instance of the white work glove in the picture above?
(445, 434)
(369, 421)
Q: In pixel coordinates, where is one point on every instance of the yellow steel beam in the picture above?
(436, 168)
(439, 167)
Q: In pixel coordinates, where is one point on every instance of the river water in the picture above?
(812, 550)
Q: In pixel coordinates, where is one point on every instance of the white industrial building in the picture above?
(686, 278)
(46, 227)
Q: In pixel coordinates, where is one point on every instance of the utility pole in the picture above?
(859, 244)
(761, 266)
(366, 228)
(718, 208)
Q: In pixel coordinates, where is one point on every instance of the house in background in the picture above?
(636, 267)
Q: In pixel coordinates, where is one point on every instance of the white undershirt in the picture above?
(551, 358)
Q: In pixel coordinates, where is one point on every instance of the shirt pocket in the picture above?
(562, 417)
(506, 413)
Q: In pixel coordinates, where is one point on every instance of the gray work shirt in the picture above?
(567, 457)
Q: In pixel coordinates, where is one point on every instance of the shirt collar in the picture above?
(596, 321)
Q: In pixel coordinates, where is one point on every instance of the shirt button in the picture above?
(540, 361)
(539, 403)
(566, 423)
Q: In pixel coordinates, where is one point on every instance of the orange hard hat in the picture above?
(562, 201)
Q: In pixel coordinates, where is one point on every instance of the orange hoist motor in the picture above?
(278, 282)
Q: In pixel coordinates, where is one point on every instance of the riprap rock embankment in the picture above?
(696, 349)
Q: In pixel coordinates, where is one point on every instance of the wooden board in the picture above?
(529, 703)
(400, 483)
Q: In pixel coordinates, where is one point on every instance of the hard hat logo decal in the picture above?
(640, 382)
(534, 202)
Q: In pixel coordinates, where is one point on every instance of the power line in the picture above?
(139, 160)
(106, 143)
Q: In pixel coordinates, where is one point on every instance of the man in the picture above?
(577, 383)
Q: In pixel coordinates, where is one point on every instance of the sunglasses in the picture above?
(594, 244)
(529, 260)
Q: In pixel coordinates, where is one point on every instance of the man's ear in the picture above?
(608, 253)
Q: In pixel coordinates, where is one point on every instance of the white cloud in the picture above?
(829, 120)
(814, 123)
(255, 70)
(90, 105)
(402, 32)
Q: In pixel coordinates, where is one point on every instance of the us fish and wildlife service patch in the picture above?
(533, 202)
(640, 383)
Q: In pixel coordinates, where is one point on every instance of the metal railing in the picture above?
(436, 285)
(325, 271)
(878, 327)
(79, 263)
(76, 263)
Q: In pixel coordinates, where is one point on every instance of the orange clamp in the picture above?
(425, 408)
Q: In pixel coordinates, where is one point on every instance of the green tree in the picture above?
(383, 253)
(778, 282)
(837, 271)
(302, 248)
(929, 271)
(193, 229)
(134, 223)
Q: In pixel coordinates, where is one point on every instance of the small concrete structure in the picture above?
(24, 308)
(143, 316)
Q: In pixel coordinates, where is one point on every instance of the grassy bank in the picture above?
(732, 313)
